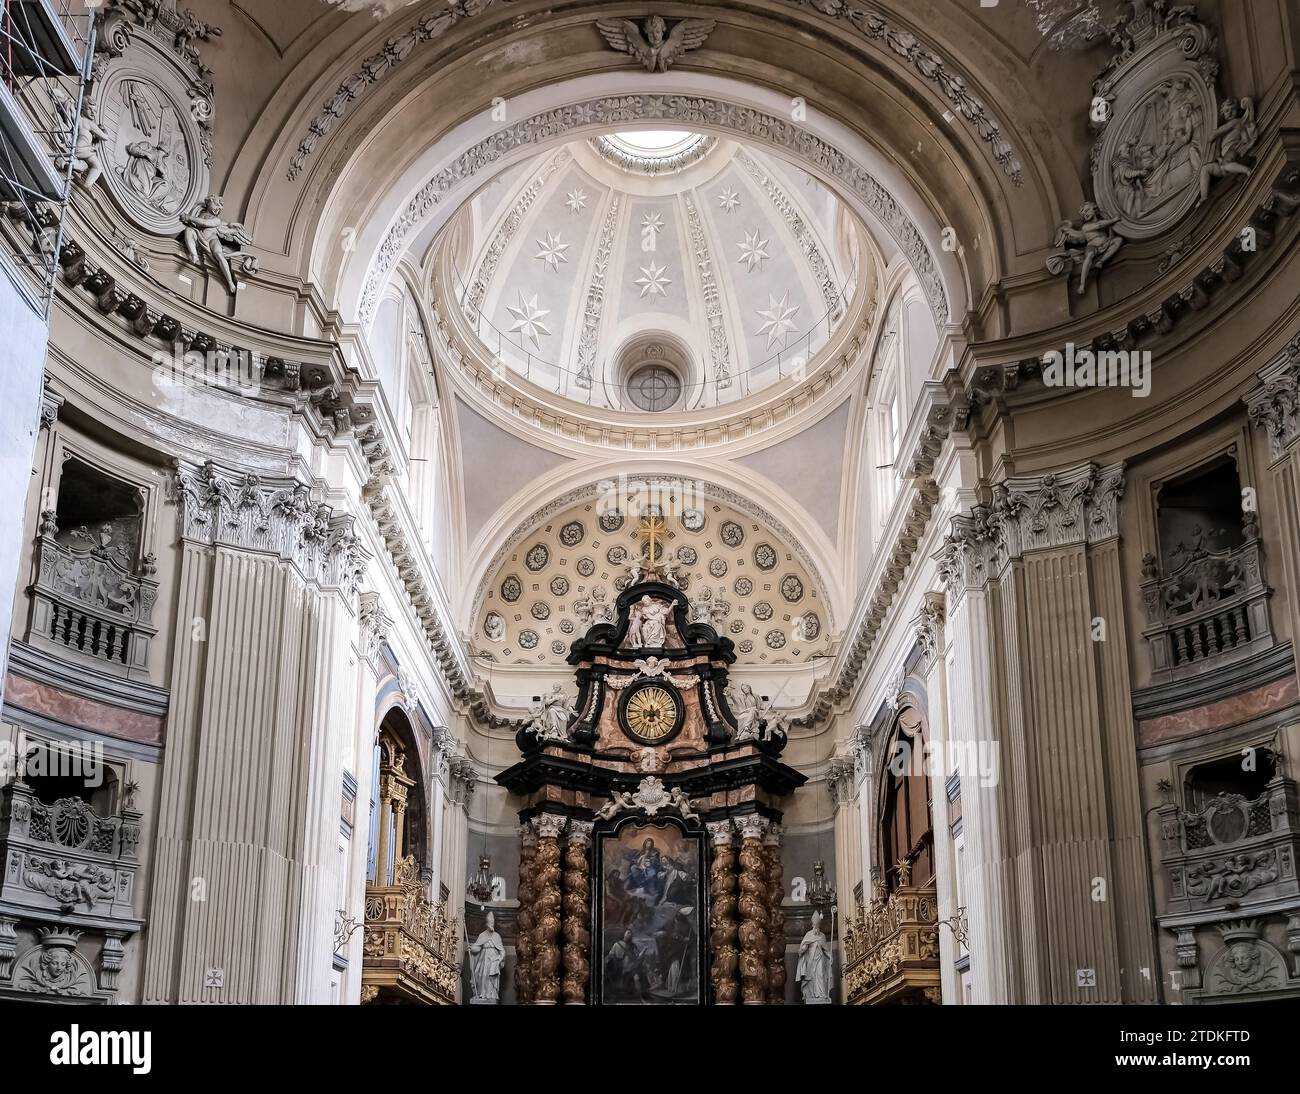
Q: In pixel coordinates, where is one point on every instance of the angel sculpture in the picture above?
(1091, 245)
(1235, 137)
(620, 801)
(206, 233)
(656, 49)
(550, 716)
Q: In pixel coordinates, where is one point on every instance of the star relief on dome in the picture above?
(576, 200)
(729, 200)
(552, 251)
(653, 282)
(753, 252)
(778, 320)
(527, 318)
(652, 222)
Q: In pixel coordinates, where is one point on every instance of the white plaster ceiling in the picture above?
(734, 258)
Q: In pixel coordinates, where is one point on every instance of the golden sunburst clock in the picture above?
(652, 713)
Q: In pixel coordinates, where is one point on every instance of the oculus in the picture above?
(651, 713)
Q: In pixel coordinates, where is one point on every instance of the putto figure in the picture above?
(219, 239)
(1235, 137)
(1090, 246)
(656, 49)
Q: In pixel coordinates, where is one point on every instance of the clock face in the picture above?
(651, 714)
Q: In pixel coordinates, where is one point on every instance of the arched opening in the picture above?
(906, 833)
(397, 815)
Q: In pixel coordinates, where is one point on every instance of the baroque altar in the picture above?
(650, 851)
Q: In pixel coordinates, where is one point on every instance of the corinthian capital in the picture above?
(751, 826)
(1059, 509)
(218, 506)
(1274, 406)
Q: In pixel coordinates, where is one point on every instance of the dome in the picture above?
(656, 270)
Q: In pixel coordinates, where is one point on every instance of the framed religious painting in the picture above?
(650, 915)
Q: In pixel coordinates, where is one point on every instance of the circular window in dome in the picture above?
(654, 387)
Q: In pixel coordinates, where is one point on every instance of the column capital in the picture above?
(1078, 506)
(549, 825)
(527, 837)
(774, 835)
(1274, 406)
(720, 832)
(580, 832)
(218, 506)
(751, 826)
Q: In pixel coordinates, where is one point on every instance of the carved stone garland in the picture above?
(775, 915)
(753, 909)
(577, 916)
(722, 914)
(546, 934)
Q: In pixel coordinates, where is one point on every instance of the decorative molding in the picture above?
(803, 235)
(719, 346)
(376, 627)
(221, 507)
(375, 68)
(1030, 513)
(1274, 406)
(627, 160)
(687, 111)
(925, 496)
(506, 231)
(594, 306)
(939, 70)
(1150, 325)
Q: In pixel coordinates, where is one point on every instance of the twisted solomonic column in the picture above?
(775, 914)
(753, 909)
(722, 914)
(577, 912)
(525, 919)
(546, 932)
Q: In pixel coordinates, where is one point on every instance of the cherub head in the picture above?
(1230, 110)
(1089, 211)
(656, 30)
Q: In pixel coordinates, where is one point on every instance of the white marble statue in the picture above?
(206, 233)
(487, 954)
(745, 706)
(648, 628)
(813, 974)
(550, 716)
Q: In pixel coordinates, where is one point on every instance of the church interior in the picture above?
(586, 502)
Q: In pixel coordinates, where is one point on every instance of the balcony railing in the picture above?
(1212, 609)
(891, 948)
(88, 598)
(64, 858)
(1233, 850)
(411, 948)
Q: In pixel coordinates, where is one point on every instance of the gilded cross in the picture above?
(653, 530)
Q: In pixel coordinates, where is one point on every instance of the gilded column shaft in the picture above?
(546, 933)
(722, 914)
(577, 915)
(526, 920)
(753, 910)
(775, 915)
